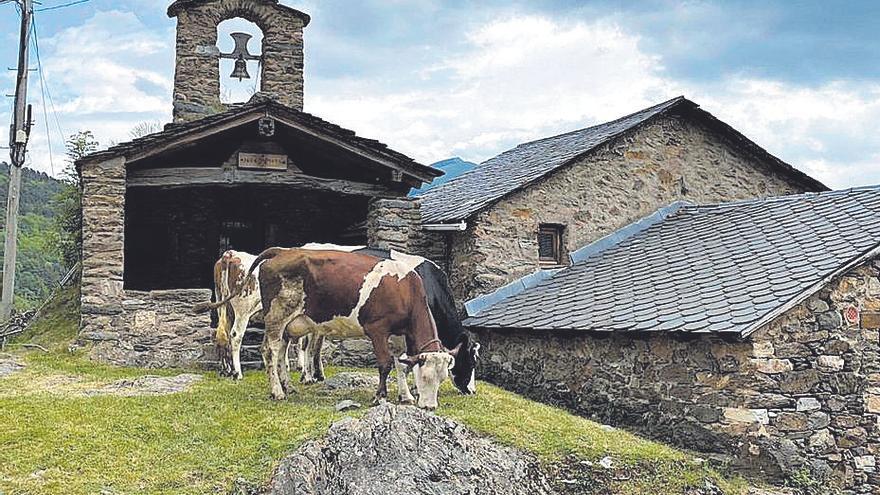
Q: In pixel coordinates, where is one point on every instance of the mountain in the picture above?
(453, 168)
(39, 264)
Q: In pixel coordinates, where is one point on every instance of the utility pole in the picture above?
(18, 138)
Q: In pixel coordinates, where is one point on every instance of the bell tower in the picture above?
(197, 73)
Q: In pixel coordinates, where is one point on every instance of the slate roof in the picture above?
(725, 268)
(512, 170)
(266, 105)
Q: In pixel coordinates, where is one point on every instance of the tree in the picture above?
(68, 203)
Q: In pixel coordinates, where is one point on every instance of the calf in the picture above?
(348, 295)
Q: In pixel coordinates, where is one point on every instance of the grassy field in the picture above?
(55, 441)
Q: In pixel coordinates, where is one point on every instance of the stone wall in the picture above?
(395, 224)
(156, 329)
(668, 159)
(103, 207)
(197, 76)
(151, 329)
(801, 394)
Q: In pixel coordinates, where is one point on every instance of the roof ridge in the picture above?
(608, 122)
(780, 199)
(477, 170)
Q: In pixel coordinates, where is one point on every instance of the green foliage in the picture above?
(58, 322)
(68, 202)
(39, 266)
(806, 484)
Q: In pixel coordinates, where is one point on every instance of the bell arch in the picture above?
(197, 89)
(240, 43)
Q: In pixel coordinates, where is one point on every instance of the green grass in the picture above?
(57, 322)
(57, 442)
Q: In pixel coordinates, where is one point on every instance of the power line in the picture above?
(48, 91)
(43, 91)
(55, 7)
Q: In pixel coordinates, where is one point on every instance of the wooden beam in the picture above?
(212, 176)
(196, 135)
(374, 156)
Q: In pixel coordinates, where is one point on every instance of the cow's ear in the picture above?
(407, 361)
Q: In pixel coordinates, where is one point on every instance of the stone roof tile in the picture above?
(661, 280)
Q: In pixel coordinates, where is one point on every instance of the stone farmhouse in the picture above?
(749, 329)
(528, 208)
(660, 271)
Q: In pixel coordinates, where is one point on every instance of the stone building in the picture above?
(748, 329)
(159, 210)
(527, 208)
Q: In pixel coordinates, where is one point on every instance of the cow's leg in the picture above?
(271, 356)
(386, 363)
(286, 382)
(404, 396)
(308, 370)
(221, 339)
(239, 327)
(301, 353)
(317, 361)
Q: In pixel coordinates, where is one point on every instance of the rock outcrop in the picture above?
(396, 449)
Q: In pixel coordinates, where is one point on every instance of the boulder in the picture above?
(351, 381)
(397, 449)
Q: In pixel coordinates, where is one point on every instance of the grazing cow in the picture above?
(232, 318)
(442, 305)
(230, 275)
(348, 295)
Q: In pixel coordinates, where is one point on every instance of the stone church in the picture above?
(660, 272)
(159, 210)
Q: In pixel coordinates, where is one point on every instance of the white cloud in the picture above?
(509, 80)
(522, 77)
(827, 131)
(105, 75)
(526, 77)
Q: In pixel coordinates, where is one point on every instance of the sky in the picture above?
(436, 79)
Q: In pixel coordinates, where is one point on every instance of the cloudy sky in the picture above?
(436, 79)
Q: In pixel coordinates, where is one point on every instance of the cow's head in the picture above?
(464, 370)
(430, 370)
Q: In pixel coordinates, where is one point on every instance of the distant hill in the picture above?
(39, 265)
(453, 168)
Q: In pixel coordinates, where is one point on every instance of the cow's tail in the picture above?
(264, 256)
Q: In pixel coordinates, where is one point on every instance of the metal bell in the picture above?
(240, 71)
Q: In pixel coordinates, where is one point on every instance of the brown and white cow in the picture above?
(347, 295)
(230, 276)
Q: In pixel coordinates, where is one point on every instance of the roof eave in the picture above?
(678, 101)
(805, 294)
(252, 112)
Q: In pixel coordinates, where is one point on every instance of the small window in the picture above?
(550, 244)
